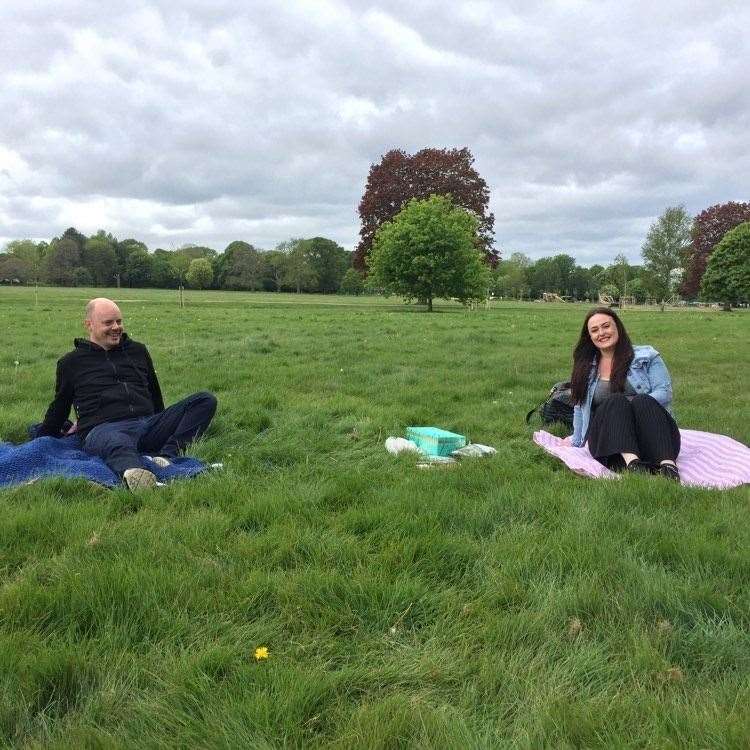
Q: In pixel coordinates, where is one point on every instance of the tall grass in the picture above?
(504, 603)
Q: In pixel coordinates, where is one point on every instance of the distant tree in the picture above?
(275, 270)
(82, 277)
(180, 265)
(162, 271)
(665, 247)
(637, 290)
(401, 177)
(352, 283)
(727, 275)
(31, 253)
(611, 290)
(197, 251)
(222, 261)
(510, 276)
(123, 248)
(99, 257)
(429, 250)
(243, 267)
(61, 262)
(200, 274)
(329, 261)
(138, 268)
(299, 273)
(708, 229)
(71, 233)
(551, 275)
(13, 269)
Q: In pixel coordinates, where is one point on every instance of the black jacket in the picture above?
(103, 385)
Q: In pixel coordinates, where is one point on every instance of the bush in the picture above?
(727, 276)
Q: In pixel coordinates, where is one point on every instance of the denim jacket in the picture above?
(647, 374)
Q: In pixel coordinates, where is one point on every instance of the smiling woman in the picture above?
(622, 396)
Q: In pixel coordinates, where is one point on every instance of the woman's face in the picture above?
(603, 331)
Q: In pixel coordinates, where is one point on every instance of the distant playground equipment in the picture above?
(552, 297)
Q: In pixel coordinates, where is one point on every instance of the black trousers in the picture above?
(639, 425)
(120, 443)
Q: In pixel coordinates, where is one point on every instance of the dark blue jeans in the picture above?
(121, 443)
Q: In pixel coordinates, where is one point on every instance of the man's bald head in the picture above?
(104, 322)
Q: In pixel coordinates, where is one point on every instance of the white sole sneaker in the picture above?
(159, 461)
(139, 479)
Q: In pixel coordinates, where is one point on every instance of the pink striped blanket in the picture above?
(705, 460)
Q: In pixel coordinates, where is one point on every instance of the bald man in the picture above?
(110, 381)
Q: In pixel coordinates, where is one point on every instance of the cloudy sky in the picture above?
(205, 121)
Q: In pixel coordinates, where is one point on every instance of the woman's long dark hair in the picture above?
(586, 353)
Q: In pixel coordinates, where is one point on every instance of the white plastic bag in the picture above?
(396, 445)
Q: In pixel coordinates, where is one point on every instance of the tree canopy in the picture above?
(727, 275)
(710, 226)
(666, 245)
(429, 250)
(401, 177)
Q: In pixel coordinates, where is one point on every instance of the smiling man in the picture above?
(110, 381)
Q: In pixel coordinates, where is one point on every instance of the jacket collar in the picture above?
(88, 345)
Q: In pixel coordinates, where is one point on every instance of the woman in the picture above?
(622, 396)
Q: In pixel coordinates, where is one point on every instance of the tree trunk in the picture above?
(727, 307)
(429, 304)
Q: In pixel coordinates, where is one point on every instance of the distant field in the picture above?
(400, 608)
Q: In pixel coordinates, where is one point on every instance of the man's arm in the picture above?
(59, 409)
(153, 385)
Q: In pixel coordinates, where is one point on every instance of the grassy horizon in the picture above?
(504, 603)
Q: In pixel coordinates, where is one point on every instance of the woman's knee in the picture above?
(642, 401)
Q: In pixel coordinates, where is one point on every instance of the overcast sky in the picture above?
(206, 121)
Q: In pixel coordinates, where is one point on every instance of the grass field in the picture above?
(505, 603)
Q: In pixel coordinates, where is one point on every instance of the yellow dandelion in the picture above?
(261, 653)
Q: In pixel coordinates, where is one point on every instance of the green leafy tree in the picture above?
(200, 274)
(329, 261)
(13, 269)
(180, 266)
(429, 250)
(243, 267)
(138, 267)
(162, 271)
(298, 270)
(727, 275)
(31, 253)
(275, 270)
(510, 276)
(99, 257)
(352, 283)
(666, 246)
(61, 262)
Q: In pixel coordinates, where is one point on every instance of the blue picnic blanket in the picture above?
(64, 457)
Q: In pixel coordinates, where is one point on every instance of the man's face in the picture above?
(105, 325)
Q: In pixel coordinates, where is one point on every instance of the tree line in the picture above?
(315, 264)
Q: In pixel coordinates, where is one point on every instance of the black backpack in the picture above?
(557, 407)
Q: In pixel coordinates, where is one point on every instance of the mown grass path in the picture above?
(506, 603)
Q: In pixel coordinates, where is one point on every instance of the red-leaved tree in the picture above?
(708, 229)
(399, 177)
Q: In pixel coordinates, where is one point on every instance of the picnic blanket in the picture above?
(705, 460)
(63, 457)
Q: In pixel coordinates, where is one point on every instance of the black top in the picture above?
(103, 385)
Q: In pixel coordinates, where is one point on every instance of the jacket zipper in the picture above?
(121, 382)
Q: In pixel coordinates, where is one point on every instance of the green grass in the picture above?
(401, 608)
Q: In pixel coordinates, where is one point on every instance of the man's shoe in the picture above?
(636, 466)
(138, 479)
(669, 471)
(161, 461)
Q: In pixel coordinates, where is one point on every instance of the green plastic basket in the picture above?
(435, 442)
